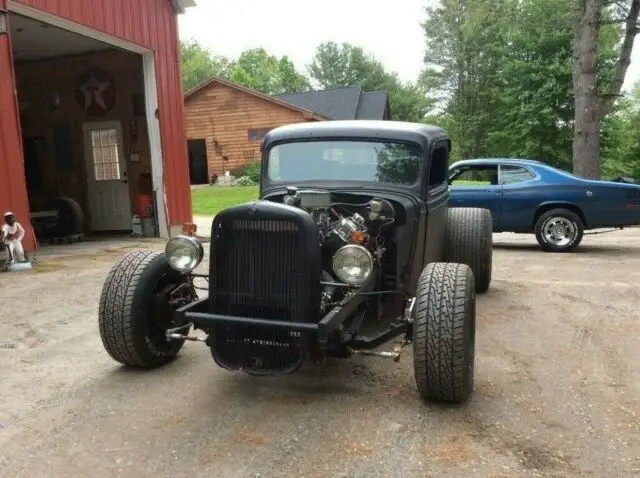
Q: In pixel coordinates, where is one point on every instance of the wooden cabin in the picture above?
(226, 122)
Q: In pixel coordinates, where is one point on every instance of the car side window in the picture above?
(476, 176)
(439, 166)
(514, 175)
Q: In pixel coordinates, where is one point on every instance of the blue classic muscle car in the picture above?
(526, 196)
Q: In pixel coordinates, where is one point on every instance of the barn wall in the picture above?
(12, 181)
(149, 23)
(223, 116)
(39, 120)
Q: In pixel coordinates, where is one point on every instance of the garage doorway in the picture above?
(198, 167)
(88, 108)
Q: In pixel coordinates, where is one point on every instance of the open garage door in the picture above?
(84, 116)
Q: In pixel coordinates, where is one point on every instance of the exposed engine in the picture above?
(359, 226)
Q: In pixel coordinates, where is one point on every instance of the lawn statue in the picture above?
(11, 237)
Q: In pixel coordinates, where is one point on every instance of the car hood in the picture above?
(270, 188)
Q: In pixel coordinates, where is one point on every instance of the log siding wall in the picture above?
(233, 123)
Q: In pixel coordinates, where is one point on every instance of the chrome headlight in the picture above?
(353, 264)
(184, 253)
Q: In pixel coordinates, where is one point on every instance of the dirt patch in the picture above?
(49, 266)
(556, 393)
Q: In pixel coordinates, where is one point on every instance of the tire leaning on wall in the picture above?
(70, 216)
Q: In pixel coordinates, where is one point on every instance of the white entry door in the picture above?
(109, 200)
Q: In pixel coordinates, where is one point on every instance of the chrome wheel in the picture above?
(559, 231)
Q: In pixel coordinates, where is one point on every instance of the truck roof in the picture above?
(423, 134)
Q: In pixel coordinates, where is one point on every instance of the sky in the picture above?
(389, 30)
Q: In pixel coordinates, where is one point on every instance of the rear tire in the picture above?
(559, 230)
(444, 333)
(131, 317)
(469, 241)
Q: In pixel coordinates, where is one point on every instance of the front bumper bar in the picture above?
(197, 313)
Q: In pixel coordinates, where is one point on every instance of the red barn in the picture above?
(91, 108)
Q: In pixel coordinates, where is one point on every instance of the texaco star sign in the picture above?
(95, 92)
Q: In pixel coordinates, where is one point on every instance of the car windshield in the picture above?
(363, 161)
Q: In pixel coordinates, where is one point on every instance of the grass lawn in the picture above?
(209, 201)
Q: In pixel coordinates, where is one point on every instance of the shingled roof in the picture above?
(343, 103)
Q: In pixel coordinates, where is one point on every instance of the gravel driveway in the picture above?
(557, 387)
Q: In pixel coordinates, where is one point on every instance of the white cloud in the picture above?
(390, 30)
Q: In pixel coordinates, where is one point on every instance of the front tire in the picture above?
(469, 241)
(444, 332)
(559, 230)
(134, 311)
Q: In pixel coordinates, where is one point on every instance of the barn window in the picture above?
(257, 134)
(104, 151)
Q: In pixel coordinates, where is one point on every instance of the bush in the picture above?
(245, 181)
(252, 170)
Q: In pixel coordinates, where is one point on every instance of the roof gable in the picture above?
(373, 105)
(192, 93)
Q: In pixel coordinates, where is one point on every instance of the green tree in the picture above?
(620, 138)
(465, 42)
(535, 99)
(501, 71)
(199, 64)
(595, 97)
(261, 71)
(254, 68)
(336, 66)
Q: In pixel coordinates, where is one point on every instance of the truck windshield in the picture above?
(363, 161)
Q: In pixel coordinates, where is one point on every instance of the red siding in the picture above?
(149, 23)
(13, 188)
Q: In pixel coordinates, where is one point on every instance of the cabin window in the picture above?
(257, 134)
(514, 174)
(439, 166)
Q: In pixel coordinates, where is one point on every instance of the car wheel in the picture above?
(444, 332)
(469, 241)
(559, 230)
(136, 308)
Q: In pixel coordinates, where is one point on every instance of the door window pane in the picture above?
(515, 174)
(105, 154)
(476, 176)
